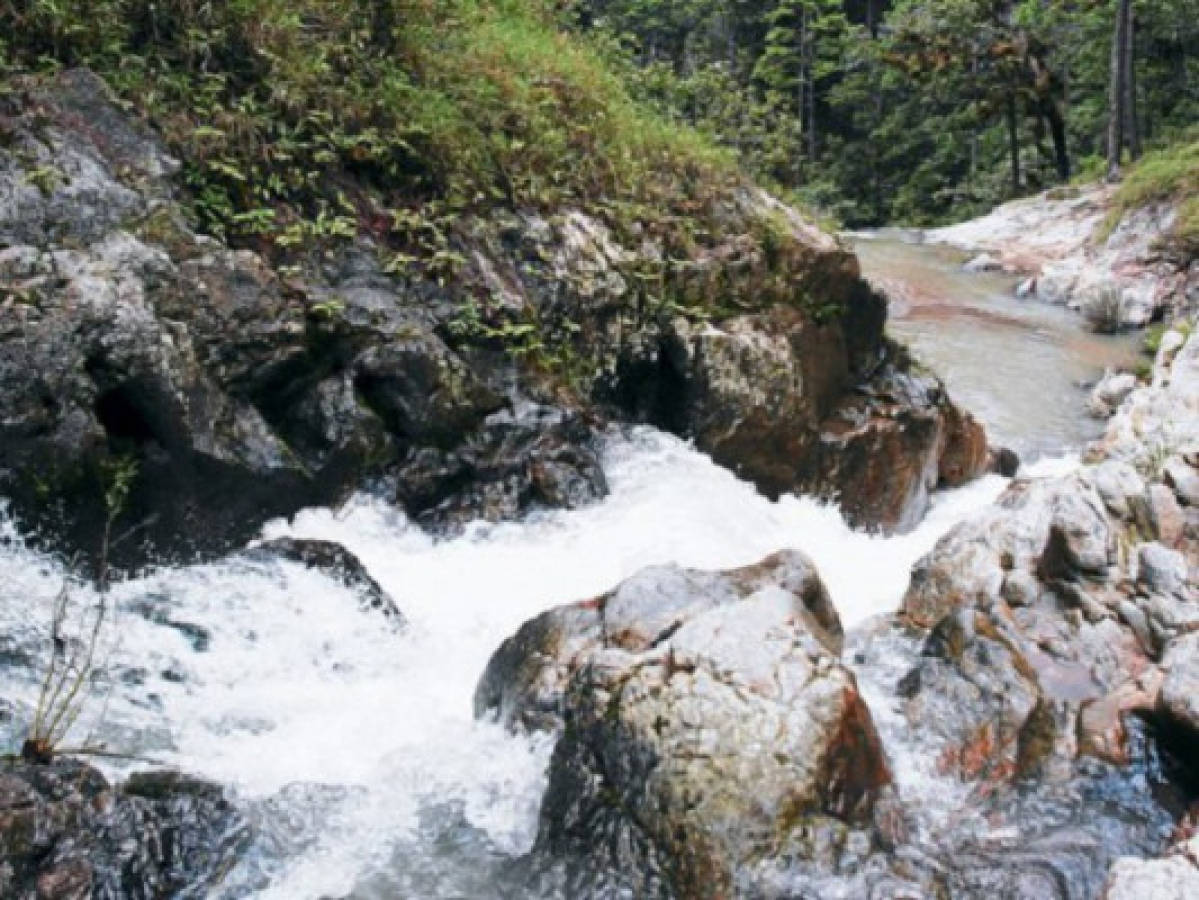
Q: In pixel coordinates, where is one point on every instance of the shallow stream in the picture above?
(1022, 366)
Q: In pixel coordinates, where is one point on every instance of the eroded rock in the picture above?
(704, 721)
(66, 833)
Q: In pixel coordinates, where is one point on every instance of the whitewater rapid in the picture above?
(354, 744)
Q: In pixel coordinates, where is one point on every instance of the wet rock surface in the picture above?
(65, 832)
(337, 562)
(1062, 617)
(517, 460)
(705, 721)
(784, 403)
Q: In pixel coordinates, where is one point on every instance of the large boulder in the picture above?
(214, 393)
(66, 833)
(705, 722)
(786, 402)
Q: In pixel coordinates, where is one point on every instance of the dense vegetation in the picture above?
(302, 121)
(306, 121)
(909, 110)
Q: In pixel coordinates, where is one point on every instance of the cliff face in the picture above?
(214, 391)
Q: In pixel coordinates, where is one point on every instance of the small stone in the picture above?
(1161, 569)
(1004, 461)
(1020, 588)
(1171, 343)
(1136, 619)
(1165, 515)
(1180, 691)
(984, 262)
(1110, 392)
(1118, 482)
(1184, 480)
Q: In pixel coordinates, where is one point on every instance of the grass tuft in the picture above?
(1167, 175)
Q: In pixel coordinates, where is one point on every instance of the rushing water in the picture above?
(1022, 366)
(353, 744)
(313, 708)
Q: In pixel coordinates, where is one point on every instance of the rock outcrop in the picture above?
(1072, 602)
(220, 392)
(225, 393)
(704, 720)
(1056, 239)
(66, 833)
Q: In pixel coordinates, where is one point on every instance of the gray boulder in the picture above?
(1174, 876)
(1180, 690)
(705, 722)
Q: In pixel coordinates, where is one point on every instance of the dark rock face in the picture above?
(778, 399)
(705, 722)
(888, 446)
(236, 394)
(516, 460)
(127, 342)
(66, 834)
(336, 561)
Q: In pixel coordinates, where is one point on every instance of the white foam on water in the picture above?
(295, 684)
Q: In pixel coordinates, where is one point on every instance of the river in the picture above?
(353, 744)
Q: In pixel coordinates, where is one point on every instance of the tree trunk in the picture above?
(1116, 92)
(1057, 130)
(809, 80)
(1132, 133)
(731, 38)
(1013, 142)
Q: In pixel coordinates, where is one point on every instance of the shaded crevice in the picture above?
(654, 388)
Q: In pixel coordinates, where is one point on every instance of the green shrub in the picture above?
(1168, 174)
(307, 122)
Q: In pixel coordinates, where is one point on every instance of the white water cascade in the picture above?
(353, 745)
(271, 679)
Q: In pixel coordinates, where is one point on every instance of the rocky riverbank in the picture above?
(1122, 273)
(221, 392)
(716, 733)
(1051, 679)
